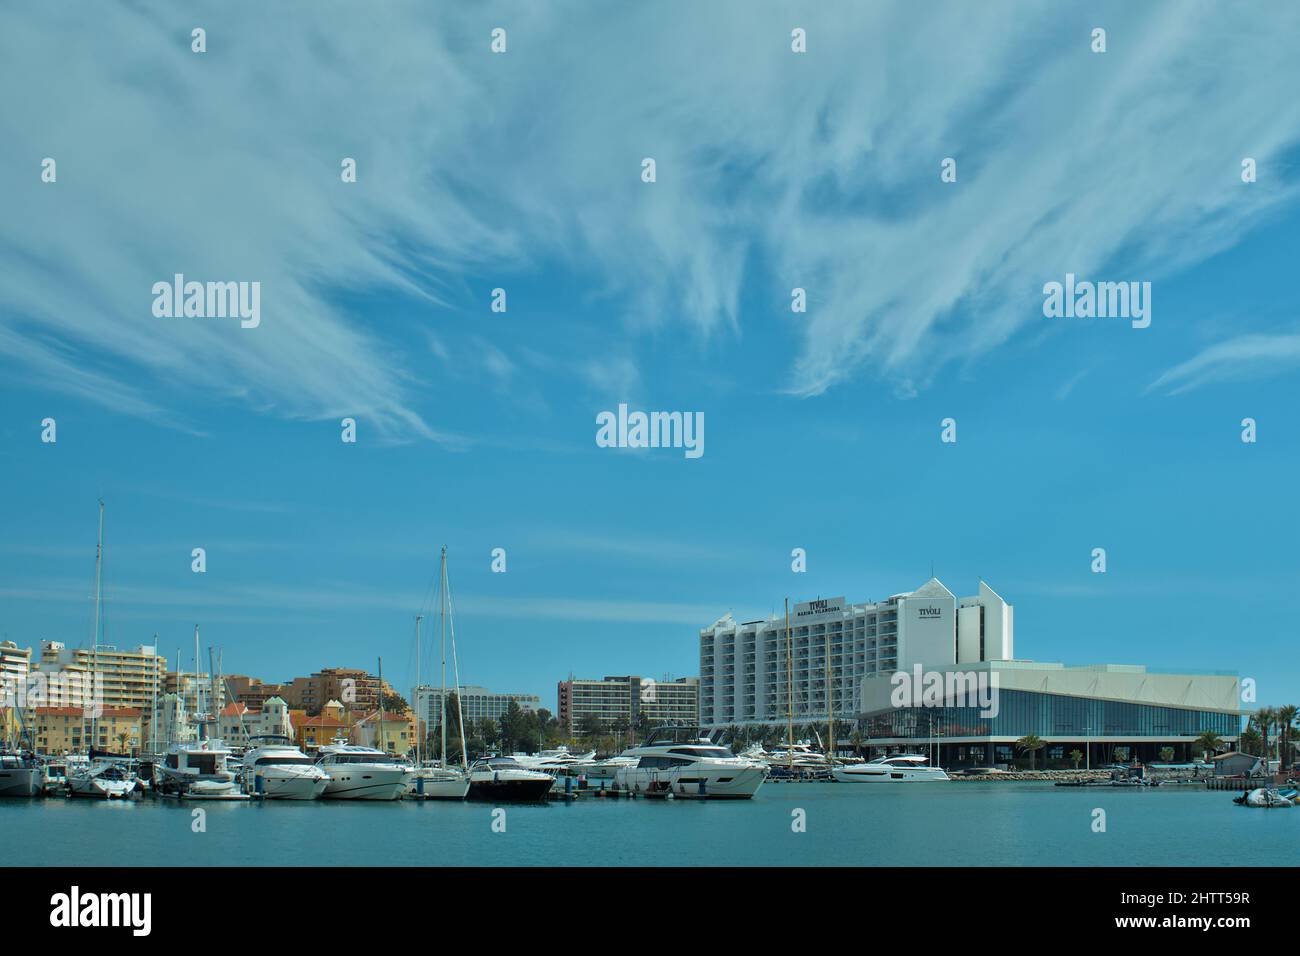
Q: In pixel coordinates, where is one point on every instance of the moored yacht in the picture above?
(21, 775)
(57, 770)
(559, 759)
(679, 760)
(504, 778)
(800, 756)
(900, 768)
(200, 769)
(363, 773)
(277, 770)
(103, 780)
(606, 768)
(439, 783)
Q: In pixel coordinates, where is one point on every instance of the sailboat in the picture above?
(435, 780)
(100, 777)
(200, 769)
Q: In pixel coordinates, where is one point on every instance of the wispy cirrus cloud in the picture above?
(819, 170)
(1245, 356)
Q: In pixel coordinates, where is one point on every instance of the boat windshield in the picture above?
(360, 758)
(701, 751)
(289, 759)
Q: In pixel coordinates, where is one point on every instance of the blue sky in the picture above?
(522, 171)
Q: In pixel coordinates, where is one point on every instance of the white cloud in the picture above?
(819, 170)
(1246, 356)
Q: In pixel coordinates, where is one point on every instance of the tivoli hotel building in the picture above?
(1105, 712)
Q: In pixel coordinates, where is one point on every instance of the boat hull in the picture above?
(22, 782)
(731, 783)
(510, 791)
(366, 784)
(275, 786)
(427, 788)
(888, 775)
(101, 789)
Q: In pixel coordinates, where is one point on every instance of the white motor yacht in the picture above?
(900, 768)
(557, 760)
(21, 775)
(277, 770)
(680, 761)
(363, 773)
(205, 762)
(605, 769)
(799, 756)
(504, 778)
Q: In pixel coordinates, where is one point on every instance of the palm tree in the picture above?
(1265, 717)
(122, 738)
(1166, 754)
(1208, 743)
(1076, 756)
(1030, 743)
(1286, 716)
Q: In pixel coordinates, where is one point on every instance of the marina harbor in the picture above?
(916, 695)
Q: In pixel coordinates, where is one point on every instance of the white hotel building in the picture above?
(1085, 713)
(743, 665)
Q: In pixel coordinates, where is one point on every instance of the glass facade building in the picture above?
(1021, 713)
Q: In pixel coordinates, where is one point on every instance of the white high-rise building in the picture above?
(743, 672)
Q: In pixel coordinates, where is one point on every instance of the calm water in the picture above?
(925, 824)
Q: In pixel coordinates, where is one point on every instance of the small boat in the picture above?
(1266, 797)
(57, 770)
(104, 780)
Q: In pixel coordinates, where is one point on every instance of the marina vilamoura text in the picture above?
(357, 518)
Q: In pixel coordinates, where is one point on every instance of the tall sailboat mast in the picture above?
(94, 640)
(418, 735)
(380, 738)
(442, 719)
(830, 714)
(789, 688)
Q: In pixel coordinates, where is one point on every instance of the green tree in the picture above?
(1286, 716)
(1166, 754)
(514, 728)
(1250, 741)
(1031, 744)
(1076, 756)
(1208, 744)
(395, 703)
(489, 732)
(1265, 718)
(589, 725)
